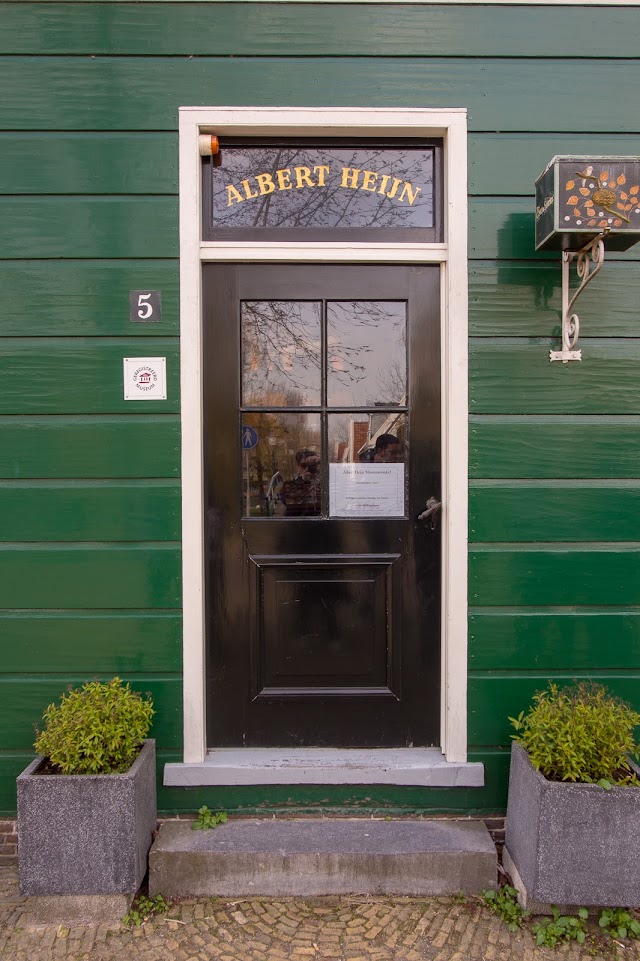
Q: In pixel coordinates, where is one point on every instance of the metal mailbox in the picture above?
(578, 198)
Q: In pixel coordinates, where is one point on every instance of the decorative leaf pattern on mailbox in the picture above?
(599, 197)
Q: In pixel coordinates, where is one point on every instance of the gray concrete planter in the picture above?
(86, 833)
(571, 844)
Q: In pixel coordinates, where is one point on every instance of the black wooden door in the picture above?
(322, 445)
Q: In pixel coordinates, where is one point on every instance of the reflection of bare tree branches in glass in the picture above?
(364, 338)
(392, 380)
(281, 350)
(331, 205)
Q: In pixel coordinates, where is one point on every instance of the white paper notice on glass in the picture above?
(366, 490)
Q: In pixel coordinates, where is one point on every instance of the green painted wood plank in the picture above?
(58, 446)
(564, 575)
(528, 154)
(516, 376)
(554, 446)
(105, 576)
(91, 642)
(503, 228)
(40, 298)
(553, 511)
(12, 763)
(512, 299)
(492, 700)
(146, 162)
(554, 639)
(64, 376)
(89, 227)
(23, 700)
(146, 227)
(89, 163)
(339, 29)
(86, 93)
(99, 510)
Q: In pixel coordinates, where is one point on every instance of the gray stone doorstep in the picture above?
(425, 767)
(308, 857)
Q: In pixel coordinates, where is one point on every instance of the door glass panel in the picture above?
(281, 353)
(367, 454)
(281, 473)
(299, 186)
(366, 353)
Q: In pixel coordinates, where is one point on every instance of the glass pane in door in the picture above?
(281, 474)
(281, 353)
(366, 353)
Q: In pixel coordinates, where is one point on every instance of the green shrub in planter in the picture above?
(87, 807)
(574, 801)
(96, 729)
(580, 733)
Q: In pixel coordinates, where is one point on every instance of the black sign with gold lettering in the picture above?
(342, 189)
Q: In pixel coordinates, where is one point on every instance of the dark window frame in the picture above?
(433, 234)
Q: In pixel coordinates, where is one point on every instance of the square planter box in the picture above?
(572, 844)
(86, 833)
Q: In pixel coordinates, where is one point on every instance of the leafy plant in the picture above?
(619, 923)
(580, 733)
(95, 729)
(504, 903)
(560, 928)
(208, 819)
(144, 908)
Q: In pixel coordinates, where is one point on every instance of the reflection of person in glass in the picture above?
(388, 450)
(301, 495)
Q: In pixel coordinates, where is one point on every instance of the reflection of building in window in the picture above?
(364, 432)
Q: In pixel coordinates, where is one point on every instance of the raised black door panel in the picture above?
(322, 445)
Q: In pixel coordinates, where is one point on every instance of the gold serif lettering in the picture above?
(321, 172)
(350, 174)
(284, 179)
(394, 188)
(247, 190)
(265, 184)
(383, 184)
(235, 197)
(409, 192)
(303, 177)
(368, 178)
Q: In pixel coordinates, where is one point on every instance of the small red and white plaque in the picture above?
(145, 378)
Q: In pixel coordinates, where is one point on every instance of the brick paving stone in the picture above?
(290, 929)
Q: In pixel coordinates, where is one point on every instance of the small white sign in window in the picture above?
(366, 490)
(145, 378)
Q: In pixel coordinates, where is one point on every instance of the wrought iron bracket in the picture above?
(589, 260)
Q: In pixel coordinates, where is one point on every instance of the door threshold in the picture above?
(409, 766)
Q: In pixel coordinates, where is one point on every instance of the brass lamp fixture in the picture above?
(582, 205)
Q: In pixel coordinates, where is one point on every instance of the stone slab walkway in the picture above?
(286, 929)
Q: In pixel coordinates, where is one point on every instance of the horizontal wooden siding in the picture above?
(89, 496)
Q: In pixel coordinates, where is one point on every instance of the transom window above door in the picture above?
(324, 399)
(309, 191)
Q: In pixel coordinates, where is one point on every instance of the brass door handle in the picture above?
(431, 512)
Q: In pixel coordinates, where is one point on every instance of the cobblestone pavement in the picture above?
(290, 929)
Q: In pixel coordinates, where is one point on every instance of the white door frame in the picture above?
(451, 125)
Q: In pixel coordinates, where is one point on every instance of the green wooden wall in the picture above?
(89, 495)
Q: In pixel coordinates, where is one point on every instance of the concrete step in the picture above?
(318, 856)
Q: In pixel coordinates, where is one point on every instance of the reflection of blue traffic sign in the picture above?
(249, 438)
